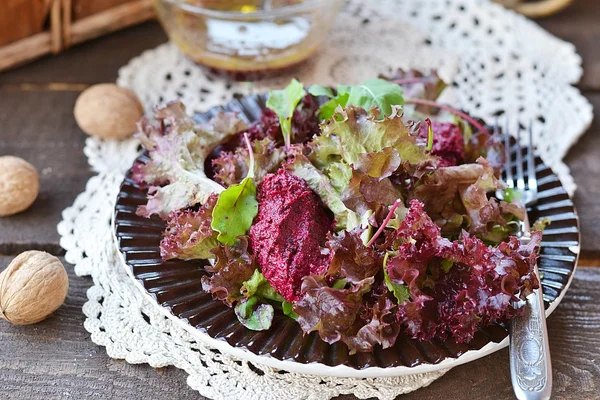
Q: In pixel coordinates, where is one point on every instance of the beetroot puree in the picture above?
(288, 232)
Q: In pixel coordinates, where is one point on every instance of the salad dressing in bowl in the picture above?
(247, 39)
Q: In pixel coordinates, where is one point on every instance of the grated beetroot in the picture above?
(288, 233)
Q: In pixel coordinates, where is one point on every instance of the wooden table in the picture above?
(57, 359)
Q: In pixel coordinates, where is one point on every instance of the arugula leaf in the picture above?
(256, 319)
(319, 90)
(259, 286)
(284, 102)
(328, 109)
(400, 292)
(234, 211)
(377, 93)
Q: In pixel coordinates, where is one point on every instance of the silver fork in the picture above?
(530, 366)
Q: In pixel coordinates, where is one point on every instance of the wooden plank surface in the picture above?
(39, 127)
(584, 161)
(56, 359)
(580, 25)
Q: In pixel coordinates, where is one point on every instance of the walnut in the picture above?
(19, 185)
(32, 287)
(108, 111)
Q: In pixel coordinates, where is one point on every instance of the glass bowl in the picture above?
(247, 39)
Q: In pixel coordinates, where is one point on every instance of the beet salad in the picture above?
(359, 211)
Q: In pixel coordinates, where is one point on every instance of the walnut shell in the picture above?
(108, 111)
(32, 287)
(19, 185)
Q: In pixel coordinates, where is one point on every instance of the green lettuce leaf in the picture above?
(340, 175)
(540, 224)
(356, 133)
(379, 164)
(374, 147)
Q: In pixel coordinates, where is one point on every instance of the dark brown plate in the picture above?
(175, 286)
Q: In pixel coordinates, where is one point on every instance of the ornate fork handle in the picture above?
(530, 366)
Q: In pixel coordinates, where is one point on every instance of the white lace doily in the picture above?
(501, 65)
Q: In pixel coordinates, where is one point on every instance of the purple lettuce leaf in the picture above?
(188, 234)
(351, 259)
(233, 266)
(231, 167)
(332, 312)
(382, 329)
(177, 149)
(364, 193)
(457, 198)
(457, 286)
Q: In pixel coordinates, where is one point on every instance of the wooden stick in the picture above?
(25, 50)
(111, 20)
(66, 25)
(47, 6)
(56, 39)
(56, 27)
